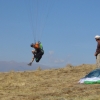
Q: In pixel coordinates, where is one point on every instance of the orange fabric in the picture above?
(36, 46)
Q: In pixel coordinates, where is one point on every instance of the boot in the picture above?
(30, 64)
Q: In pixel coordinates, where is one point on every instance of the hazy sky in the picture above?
(66, 29)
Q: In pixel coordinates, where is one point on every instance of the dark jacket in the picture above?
(98, 48)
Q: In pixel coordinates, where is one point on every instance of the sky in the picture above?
(66, 29)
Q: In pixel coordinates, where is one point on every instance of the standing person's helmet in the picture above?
(97, 37)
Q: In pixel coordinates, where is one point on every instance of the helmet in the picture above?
(97, 37)
(32, 45)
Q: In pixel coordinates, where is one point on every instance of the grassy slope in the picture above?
(52, 84)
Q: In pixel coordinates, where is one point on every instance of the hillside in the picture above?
(51, 84)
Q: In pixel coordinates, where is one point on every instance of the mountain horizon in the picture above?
(6, 66)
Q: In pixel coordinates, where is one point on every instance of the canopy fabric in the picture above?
(92, 78)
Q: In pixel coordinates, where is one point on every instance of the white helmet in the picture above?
(97, 37)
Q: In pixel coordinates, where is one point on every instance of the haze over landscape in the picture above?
(67, 35)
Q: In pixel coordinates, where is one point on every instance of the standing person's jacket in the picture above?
(98, 48)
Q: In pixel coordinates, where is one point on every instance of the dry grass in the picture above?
(52, 84)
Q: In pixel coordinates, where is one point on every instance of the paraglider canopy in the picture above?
(94, 73)
(92, 78)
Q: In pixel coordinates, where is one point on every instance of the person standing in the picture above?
(97, 53)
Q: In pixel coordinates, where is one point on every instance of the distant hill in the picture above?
(16, 66)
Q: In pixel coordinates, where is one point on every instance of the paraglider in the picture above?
(36, 27)
(38, 52)
(38, 23)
